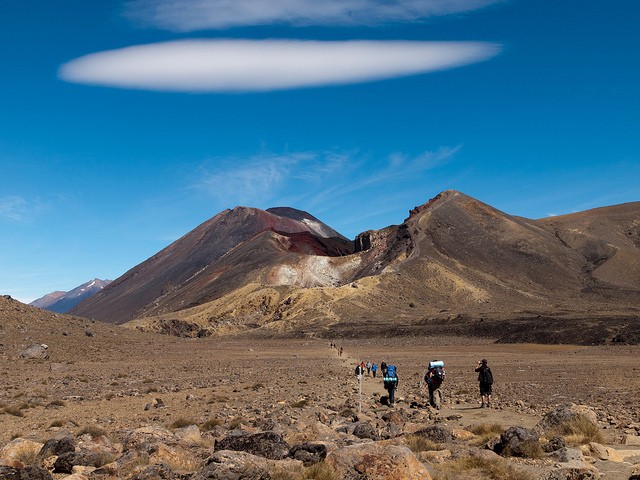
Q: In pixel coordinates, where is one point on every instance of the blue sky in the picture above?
(125, 124)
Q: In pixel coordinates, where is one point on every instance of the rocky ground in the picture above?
(146, 406)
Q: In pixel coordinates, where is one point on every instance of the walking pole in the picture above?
(360, 392)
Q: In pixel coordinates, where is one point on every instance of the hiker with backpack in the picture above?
(485, 377)
(374, 369)
(433, 378)
(390, 381)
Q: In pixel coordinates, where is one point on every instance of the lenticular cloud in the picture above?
(249, 65)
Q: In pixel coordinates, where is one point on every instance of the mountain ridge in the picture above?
(453, 257)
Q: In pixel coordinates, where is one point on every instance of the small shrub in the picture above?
(210, 424)
(235, 422)
(56, 424)
(182, 422)
(300, 403)
(13, 410)
(417, 443)
(94, 430)
(579, 431)
(319, 471)
(485, 432)
(57, 403)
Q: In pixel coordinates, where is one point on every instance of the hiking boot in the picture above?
(488, 405)
(482, 405)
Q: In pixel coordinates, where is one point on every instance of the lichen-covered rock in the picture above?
(264, 444)
(16, 451)
(563, 414)
(376, 461)
(36, 351)
(517, 442)
(31, 472)
(365, 430)
(309, 453)
(231, 465)
(436, 434)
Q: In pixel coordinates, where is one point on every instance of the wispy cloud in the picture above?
(191, 15)
(16, 208)
(253, 65)
(312, 179)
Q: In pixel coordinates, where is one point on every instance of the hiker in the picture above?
(359, 370)
(485, 377)
(340, 352)
(368, 368)
(433, 378)
(390, 381)
(374, 369)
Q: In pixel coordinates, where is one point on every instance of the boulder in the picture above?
(264, 444)
(17, 452)
(66, 461)
(231, 465)
(365, 430)
(36, 351)
(31, 472)
(309, 453)
(555, 443)
(563, 414)
(375, 461)
(518, 442)
(57, 446)
(436, 434)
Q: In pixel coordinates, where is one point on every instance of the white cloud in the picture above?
(190, 15)
(252, 65)
(14, 208)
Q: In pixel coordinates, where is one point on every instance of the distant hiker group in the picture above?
(433, 377)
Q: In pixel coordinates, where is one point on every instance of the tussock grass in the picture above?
(471, 468)
(303, 402)
(57, 403)
(528, 449)
(182, 422)
(210, 424)
(578, 431)
(417, 443)
(235, 422)
(319, 471)
(94, 430)
(485, 432)
(13, 410)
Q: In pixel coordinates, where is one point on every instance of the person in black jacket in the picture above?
(485, 377)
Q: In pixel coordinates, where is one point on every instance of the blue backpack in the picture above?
(391, 375)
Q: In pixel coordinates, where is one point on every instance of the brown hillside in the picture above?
(455, 264)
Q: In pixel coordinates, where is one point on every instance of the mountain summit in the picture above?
(62, 302)
(233, 248)
(453, 260)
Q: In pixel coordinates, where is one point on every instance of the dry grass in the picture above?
(182, 422)
(417, 443)
(578, 431)
(210, 424)
(485, 432)
(94, 430)
(13, 410)
(528, 449)
(300, 403)
(472, 468)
